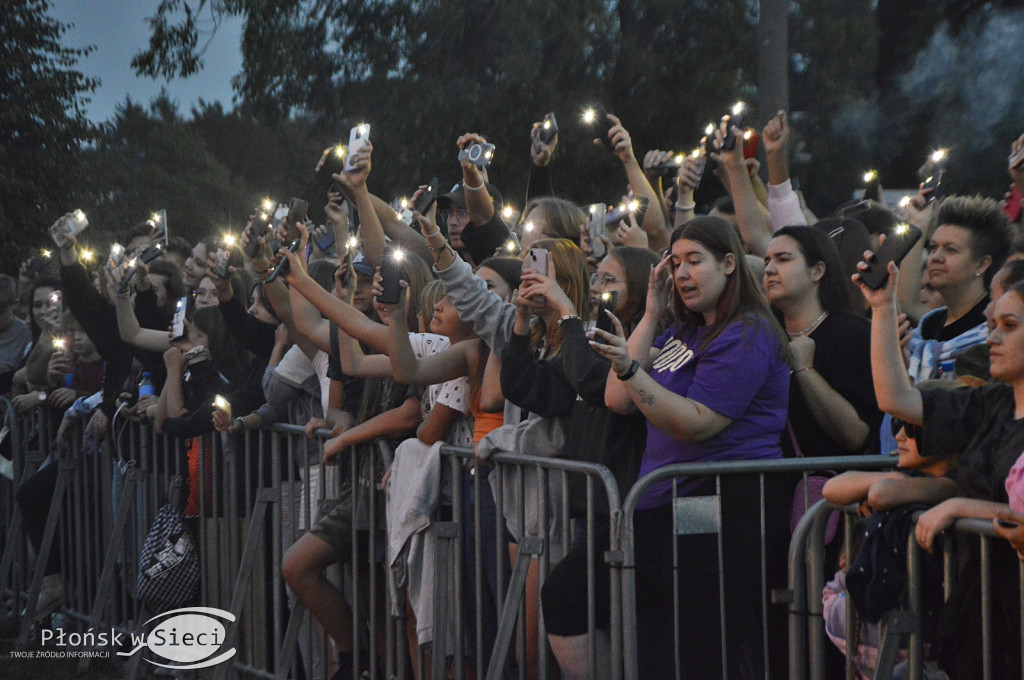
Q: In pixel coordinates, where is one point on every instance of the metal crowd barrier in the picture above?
(898, 628)
(771, 483)
(253, 499)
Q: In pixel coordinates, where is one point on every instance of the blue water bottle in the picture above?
(146, 386)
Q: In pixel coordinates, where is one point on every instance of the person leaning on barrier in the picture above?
(723, 334)
(14, 334)
(984, 423)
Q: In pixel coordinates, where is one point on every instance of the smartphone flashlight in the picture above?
(397, 255)
(222, 404)
(633, 205)
(229, 239)
(88, 255)
(870, 176)
(939, 155)
(352, 242)
(79, 216)
(507, 212)
(58, 343)
(589, 116)
(47, 254)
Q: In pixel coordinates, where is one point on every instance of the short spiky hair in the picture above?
(990, 231)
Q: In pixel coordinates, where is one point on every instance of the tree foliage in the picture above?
(42, 124)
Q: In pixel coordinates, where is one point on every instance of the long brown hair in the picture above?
(743, 297)
(571, 275)
(636, 263)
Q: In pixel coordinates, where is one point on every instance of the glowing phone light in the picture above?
(221, 403)
(748, 134)
(547, 124)
(54, 297)
(904, 202)
(404, 202)
(508, 211)
(695, 153)
(363, 128)
(679, 158)
(710, 129)
(939, 155)
(510, 246)
(88, 255)
(155, 217)
(268, 204)
(738, 108)
(633, 205)
(131, 262)
(528, 225)
(58, 343)
(340, 151)
(398, 255)
(902, 228)
(46, 253)
(79, 216)
(589, 116)
(229, 239)
(606, 296)
(352, 242)
(870, 176)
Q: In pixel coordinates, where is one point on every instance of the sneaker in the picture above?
(51, 596)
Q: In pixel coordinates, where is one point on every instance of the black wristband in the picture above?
(630, 372)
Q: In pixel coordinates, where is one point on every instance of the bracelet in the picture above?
(801, 370)
(684, 208)
(239, 423)
(469, 188)
(566, 318)
(434, 234)
(440, 247)
(630, 372)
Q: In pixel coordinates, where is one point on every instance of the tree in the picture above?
(43, 125)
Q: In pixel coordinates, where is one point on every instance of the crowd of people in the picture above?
(662, 336)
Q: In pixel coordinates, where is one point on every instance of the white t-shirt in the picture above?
(454, 394)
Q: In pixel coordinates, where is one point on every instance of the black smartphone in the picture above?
(257, 228)
(606, 302)
(284, 266)
(297, 209)
(737, 117)
(871, 185)
(222, 259)
(673, 163)
(548, 128)
(426, 199)
(151, 253)
(353, 219)
(602, 127)
(391, 274)
(934, 181)
(894, 249)
(178, 322)
(36, 265)
(334, 164)
(638, 206)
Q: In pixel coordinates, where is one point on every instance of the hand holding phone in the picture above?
(297, 209)
(332, 162)
(478, 154)
(425, 201)
(735, 118)
(606, 302)
(536, 260)
(597, 117)
(894, 249)
(178, 322)
(391, 275)
(70, 224)
(597, 229)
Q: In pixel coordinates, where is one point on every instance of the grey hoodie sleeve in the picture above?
(492, 319)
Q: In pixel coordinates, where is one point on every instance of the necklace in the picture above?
(809, 329)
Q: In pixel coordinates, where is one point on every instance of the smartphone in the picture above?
(596, 225)
(68, 225)
(701, 161)
(36, 265)
(57, 303)
(353, 220)
(478, 154)
(326, 239)
(158, 222)
(511, 247)
(151, 253)
(221, 258)
(934, 181)
(894, 249)
(548, 129)
(737, 116)
(332, 165)
(870, 185)
(222, 404)
(750, 141)
(297, 209)
(178, 322)
(284, 266)
(537, 261)
(426, 199)
(598, 118)
(606, 301)
(638, 206)
(116, 256)
(357, 138)
(257, 228)
(391, 274)
(1013, 205)
(673, 163)
(1017, 159)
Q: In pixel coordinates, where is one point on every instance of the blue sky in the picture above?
(118, 29)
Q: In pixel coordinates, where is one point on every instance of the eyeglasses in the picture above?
(913, 431)
(458, 212)
(603, 279)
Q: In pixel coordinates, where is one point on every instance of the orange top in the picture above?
(483, 422)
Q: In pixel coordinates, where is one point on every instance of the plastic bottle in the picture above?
(146, 386)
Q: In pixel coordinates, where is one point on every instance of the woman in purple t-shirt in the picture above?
(714, 387)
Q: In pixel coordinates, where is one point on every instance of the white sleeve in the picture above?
(784, 206)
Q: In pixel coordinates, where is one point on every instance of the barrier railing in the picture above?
(898, 628)
(256, 494)
(733, 487)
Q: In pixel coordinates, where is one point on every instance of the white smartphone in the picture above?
(357, 138)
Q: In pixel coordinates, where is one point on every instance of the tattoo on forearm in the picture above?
(645, 397)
